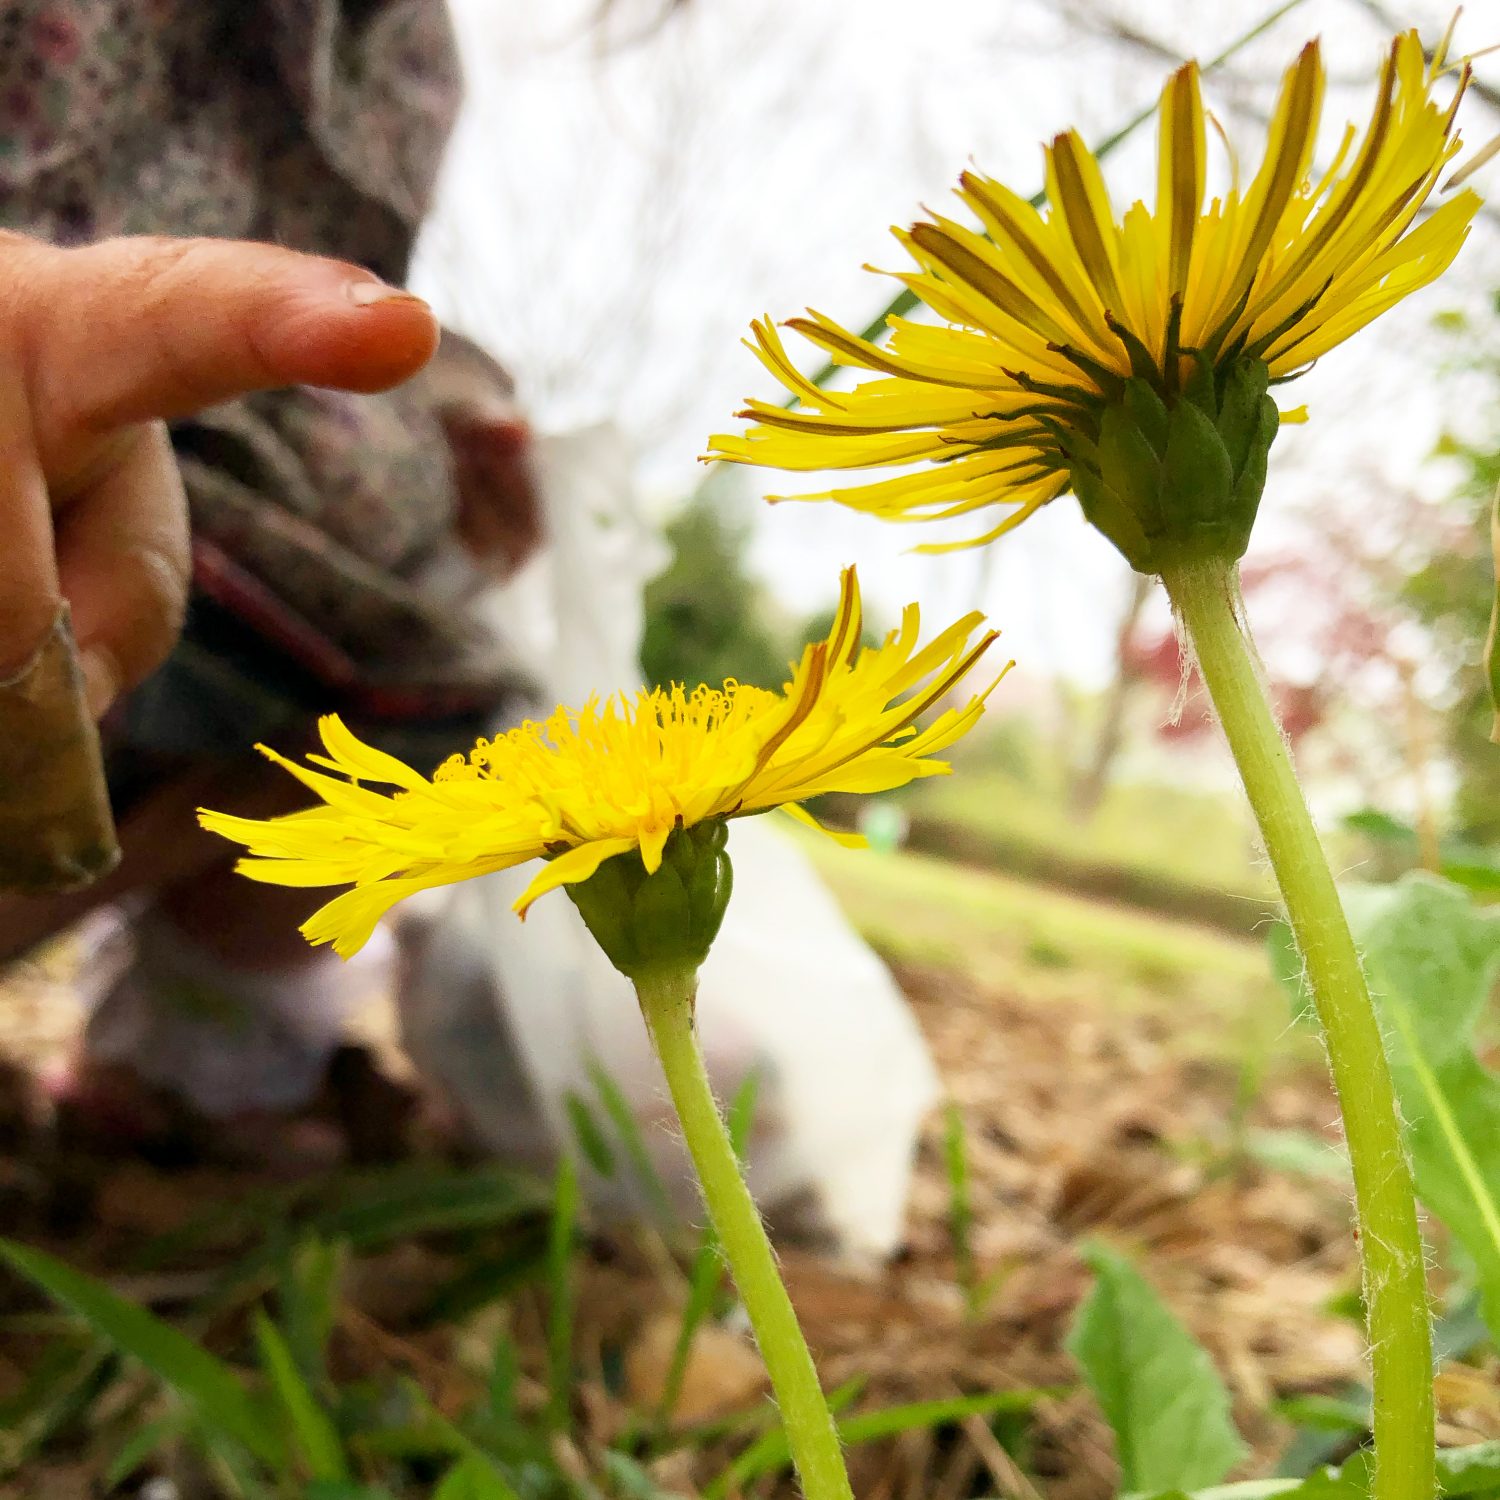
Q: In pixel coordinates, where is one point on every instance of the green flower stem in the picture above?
(666, 996)
(1206, 596)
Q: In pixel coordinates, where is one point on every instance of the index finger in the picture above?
(161, 328)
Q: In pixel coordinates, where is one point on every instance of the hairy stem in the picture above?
(1206, 597)
(666, 998)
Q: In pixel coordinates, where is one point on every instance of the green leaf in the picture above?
(1381, 827)
(1469, 1471)
(1348, 1416)
(316, 1436)
(1298, 1152)
(1432, 957)
(1156, 1385)
(210, 1387)
(771, 1452)
(1460, 1331)
(1461, 1472)
(1476, 872)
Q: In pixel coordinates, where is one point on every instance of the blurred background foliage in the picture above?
(1453, 590)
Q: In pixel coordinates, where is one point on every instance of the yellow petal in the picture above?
(570, 868)
(838, 835)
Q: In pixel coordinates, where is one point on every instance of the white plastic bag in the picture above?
(513, 1022)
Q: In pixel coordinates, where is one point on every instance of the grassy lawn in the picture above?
(1197, 838)
(1041, 944)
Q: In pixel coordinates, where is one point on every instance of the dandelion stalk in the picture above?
(1134, 360)
(667, 997)
(1205, 594)
(628, 803)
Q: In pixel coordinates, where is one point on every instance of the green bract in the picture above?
(1177, 476)
(666, 920)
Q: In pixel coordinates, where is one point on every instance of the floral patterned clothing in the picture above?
(316, 124)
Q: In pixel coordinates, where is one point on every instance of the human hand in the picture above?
(97, 346)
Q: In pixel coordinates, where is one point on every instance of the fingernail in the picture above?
(367, 293)
(101, 680)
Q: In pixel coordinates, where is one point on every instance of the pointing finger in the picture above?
(161, 328)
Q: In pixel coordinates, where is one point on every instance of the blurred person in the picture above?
(338, 541)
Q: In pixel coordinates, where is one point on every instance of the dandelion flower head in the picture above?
(590, 783)
(1051, 320)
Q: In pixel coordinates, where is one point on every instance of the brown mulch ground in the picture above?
(1079, 1122)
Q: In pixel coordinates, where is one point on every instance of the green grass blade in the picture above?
(560, 1249)
(628, 1480)
(739, 1119)
(58, 1389)
(211, 1388)
(628, 1128)
(770, 1452)
(140, 1446)
(704, 1280)
(345, 1490)
(309, 1299)
(591, 1138)
(420, 1201)
(473, 1478)
(477, 1475)
(960, 1209)
(369, 1209)
(315, 1434)
(489, 1274)
(505, 1371)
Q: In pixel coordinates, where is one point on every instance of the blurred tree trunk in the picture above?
(1089, 784)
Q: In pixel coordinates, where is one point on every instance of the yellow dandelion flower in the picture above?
(1072, 338)
(591, 783)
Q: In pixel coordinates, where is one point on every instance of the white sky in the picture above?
(610, 221)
